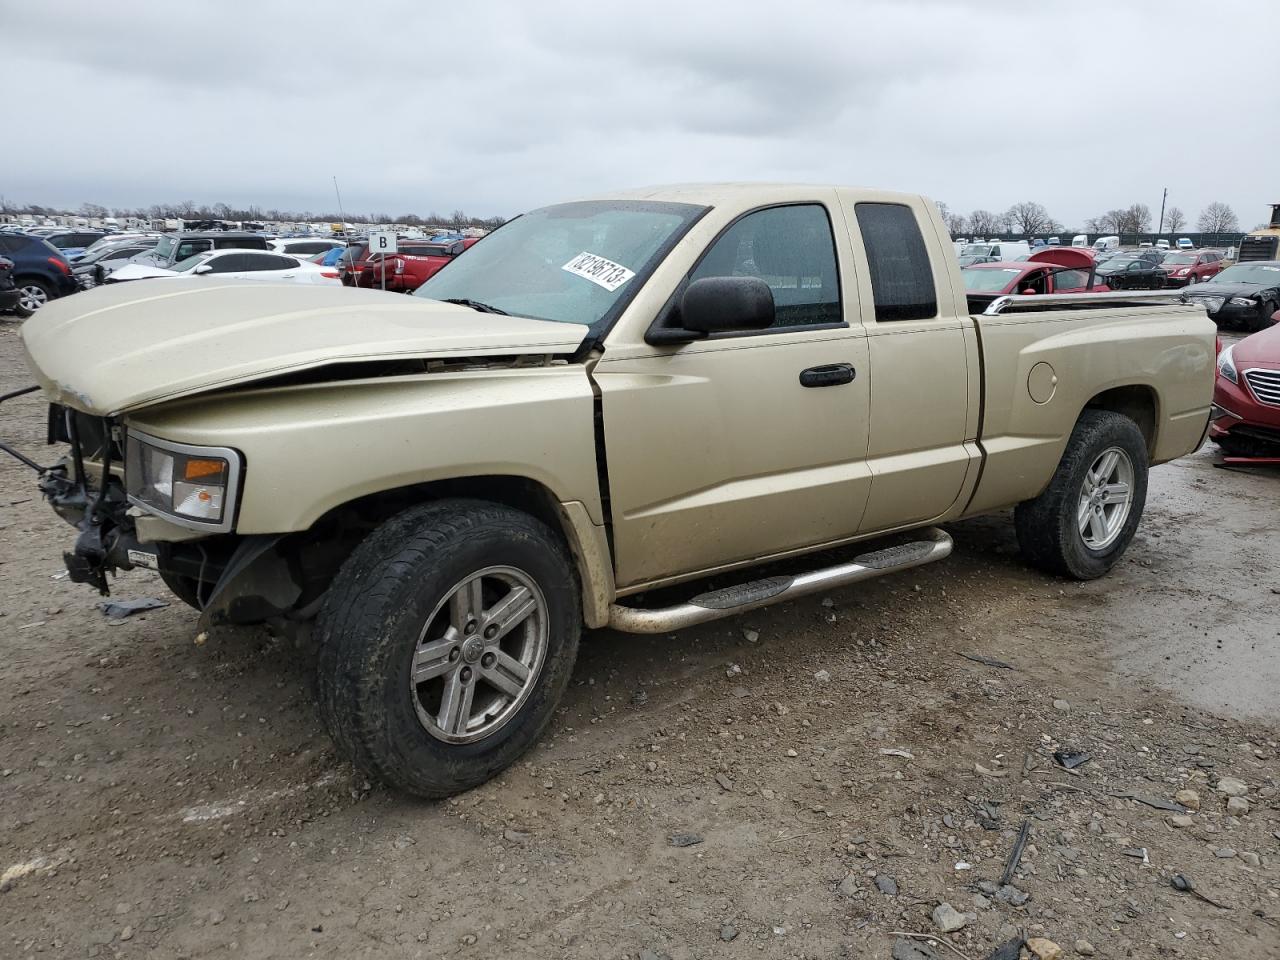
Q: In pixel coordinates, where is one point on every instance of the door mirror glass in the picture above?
(720, 304)
(204, 268)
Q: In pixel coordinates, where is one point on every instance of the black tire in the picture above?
(1264, 318)
(186, 589)
(377, 607)
(35, 284)
(1047, 527)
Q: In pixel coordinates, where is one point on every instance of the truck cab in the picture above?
(1263, 243)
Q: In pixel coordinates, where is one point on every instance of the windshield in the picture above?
(987, 280)
(1268, 273)
(977, 250)
(1117, 263)
(182, 266)
(1178, 259)
(165, 247)
(571, 263)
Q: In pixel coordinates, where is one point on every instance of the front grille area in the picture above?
(1265, 385)
(1253, 249)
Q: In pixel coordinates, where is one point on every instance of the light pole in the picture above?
(1163, 197)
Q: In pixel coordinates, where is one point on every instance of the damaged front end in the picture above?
(105, 486)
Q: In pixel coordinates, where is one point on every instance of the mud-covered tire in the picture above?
(373, 619)
(1048, 527)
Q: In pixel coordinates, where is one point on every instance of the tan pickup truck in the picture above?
(644, 390)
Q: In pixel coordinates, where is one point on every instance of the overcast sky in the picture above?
(496, 107)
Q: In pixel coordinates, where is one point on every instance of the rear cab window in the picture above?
(901, 272)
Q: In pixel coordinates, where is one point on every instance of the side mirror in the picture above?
(719, 304)
(203, 268)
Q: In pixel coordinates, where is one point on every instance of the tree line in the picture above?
(1029, 218)
(189, 210)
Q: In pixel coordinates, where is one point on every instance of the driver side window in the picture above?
(791, 249)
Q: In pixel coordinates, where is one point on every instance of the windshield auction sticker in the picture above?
(599, 271)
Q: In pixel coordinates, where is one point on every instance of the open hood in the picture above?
(130, 345)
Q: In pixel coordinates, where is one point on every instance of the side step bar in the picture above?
(726, 602)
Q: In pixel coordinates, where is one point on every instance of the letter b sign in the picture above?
(382, 241)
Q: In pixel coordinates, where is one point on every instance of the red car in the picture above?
(355, 263)
(1182, 268)
(411, 267)
(1051, 270)
(1246, 396)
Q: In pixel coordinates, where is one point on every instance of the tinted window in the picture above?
(1070, 279)
(268, 261)
(243, 243)
(229, 263)
(306, 247)
(901, 275)
(790, 249)
(189, 248)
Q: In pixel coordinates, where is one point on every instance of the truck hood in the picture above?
(124, 346)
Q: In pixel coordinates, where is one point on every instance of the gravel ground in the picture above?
(805, 781)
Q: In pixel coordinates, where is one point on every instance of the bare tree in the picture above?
(1029, 217)
(954, 222)
(983, 222)
(93, 210)
(1136, 219)
(1218, 218)
(1174, 219)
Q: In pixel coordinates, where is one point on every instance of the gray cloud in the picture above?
(500, 106)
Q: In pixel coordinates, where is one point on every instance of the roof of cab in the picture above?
(713, 194)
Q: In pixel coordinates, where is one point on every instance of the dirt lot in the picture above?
(165, 797)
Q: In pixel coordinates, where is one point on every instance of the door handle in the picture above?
(829, 375)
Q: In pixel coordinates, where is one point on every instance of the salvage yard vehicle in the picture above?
(1185, 268)
(10, 295)
(406, 272)
(1131, 272)
(232, 265)
(1243, 297)
(39, 269)
(1263, 243)
(176, 247)
(579, 422)
(1245, 421)
(1049, 270)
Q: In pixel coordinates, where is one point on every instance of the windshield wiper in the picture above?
(476, 305)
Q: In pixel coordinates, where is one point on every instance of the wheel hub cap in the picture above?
(1106, 497)
(479, 655)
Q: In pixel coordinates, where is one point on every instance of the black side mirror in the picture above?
(718, 305)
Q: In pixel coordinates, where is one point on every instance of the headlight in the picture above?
(1227, 365)
(1244, 302)
(1180, 273)
(194, 485)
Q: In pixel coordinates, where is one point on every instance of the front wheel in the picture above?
(1084, 520)
(446, 641)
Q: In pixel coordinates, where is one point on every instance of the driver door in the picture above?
(730, 449)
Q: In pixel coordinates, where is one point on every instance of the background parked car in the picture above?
(354, 262)
(233, 265)
(40, 270)
(96, 265)
(1184, 268)
(173, 248)
(406, 272)
(1242, 297)
(1049, 270)
(1245, 420)
(73, 242)
(304, 246)
(10, 296)
(1131, 272)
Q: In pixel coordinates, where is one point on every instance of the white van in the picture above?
(1106, 244)
(1184, 243)
(1162, 244)
(1080, 240)
(996, 250)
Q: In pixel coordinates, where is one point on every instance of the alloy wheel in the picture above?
(1106, 496)
(479, 655)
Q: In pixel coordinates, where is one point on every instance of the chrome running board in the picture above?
(726, 602)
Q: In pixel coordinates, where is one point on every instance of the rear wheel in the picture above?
(1084, 520)
(34, 294)
(446, 641)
